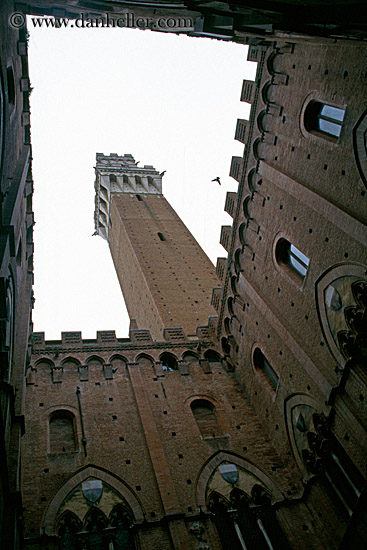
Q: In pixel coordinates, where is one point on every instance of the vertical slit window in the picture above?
(161, 236)
(11, 85)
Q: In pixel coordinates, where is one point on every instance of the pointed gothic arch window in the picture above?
(247, 521)
(224, 523)
(95, 523)
(169, 361)
(69, 526)
(121, 522)
(212, 356)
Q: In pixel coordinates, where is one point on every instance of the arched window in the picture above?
(291, 258)
(224, 523)
(205, 416)
(169, 361)
(264, 368)
(247, 522)
(212, 356)
(191, 358)
(69, 526)
(62, 432)
(145, 361)
(95, 524)
(324, 119)
(121, 522)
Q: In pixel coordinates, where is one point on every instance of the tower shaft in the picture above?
(165, 276)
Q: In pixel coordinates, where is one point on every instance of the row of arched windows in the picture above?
(244, 522)
(63, 429)
(169, 360)
(97, 532)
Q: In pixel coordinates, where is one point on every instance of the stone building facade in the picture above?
(241, 429)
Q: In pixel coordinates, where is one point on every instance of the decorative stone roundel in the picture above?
(342, 307)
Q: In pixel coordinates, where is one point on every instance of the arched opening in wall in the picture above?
(145, 361)
(234, 285)
(291, 259)
(230, 303)
(68, 527)
(265, 370)
(270, 62)
(169, 361)
(324, 120)
(242, 233)
(205, 417)
(261, 121)
(266, 93)
(120, 521)
(62, 432)
(191, 358)
(246, 206)
(71, 363)
(237, 261)
(113, 178)
(95, 524)
(94, 360)
(11, 85)
(212, 356)
(253, 179)
(118, 362)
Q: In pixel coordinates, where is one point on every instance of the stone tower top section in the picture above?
(120, 174)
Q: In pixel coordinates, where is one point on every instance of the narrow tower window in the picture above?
(264, 369)
(161, 236)
(62, 432)
(324, 119)
(139, 197)
(289, 256)
(205, 416)
(11, 85)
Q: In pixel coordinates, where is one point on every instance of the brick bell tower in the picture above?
(165, 276)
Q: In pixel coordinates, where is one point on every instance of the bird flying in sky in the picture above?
(218, 180)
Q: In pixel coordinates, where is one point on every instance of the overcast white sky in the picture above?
(171, 101)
